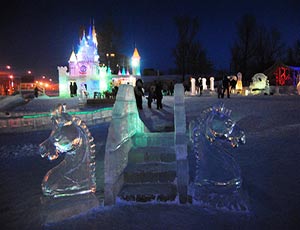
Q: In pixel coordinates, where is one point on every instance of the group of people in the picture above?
(155, 93)
(225, 86)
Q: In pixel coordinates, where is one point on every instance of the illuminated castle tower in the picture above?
(84, 68)
(135, 63)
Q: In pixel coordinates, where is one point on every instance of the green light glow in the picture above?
(71, 113)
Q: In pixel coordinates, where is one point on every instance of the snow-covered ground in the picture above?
(269, 164)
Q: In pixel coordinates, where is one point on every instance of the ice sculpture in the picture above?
(239, 83)
(75, 174)
(259, 83)
(217, 174)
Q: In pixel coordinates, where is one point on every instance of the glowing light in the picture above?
(282, 75)
(135, 62)
(73, 57)
(84, 68)
(29, 72)
(8, 67)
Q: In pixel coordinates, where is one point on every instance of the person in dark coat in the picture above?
(139, 93)
(151, 95)
(226, 86)
(75, 89)
(36, 91)
(158, 95)
(171, 88)
(220, 89)
(71, 89)
(233, 82)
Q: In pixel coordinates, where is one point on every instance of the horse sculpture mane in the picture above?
(211, 135)
(75, 174)
(216, 124)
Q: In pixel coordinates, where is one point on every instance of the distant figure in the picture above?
(6, 90)
(151, 96)
(220, 89)
(75, 89)
(226, 86)
(200, 86)
(139, 93)
(115, 91)
(233, 82)
(71, 89)
(171, 89)
(158, 95)
(36, 91)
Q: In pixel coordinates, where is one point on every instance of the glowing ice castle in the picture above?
(84, 68)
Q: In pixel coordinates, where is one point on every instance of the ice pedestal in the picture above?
(217, 180)
(55, 210)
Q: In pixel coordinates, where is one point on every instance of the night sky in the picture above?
(40, 35)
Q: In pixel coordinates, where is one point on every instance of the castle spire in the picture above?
(83, 39)
(73, 57)
(94, 35)
(135, 62)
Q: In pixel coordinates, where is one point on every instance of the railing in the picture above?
(20, 122)
(29, 87)
(124, 125)
(180, 140)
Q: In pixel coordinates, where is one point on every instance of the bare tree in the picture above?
(293, 54)
(243, 50)
(256, 47)
(109, 42)
(269, 49)
(188, 53)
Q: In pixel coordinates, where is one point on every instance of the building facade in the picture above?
(84, 69)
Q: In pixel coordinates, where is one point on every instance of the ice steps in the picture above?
(151, 171)
(159, 192)
(154, 172)
(151, 154)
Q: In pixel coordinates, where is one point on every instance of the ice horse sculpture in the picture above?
(217, 175)
(75, 174)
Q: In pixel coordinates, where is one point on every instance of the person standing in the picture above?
(75, 89)
(171, 88)
(138, 92)
(151, 95)
(226, 86)
(158, 95)
(71, 89)
(233, 82)
(36, 92)
(220, 89)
